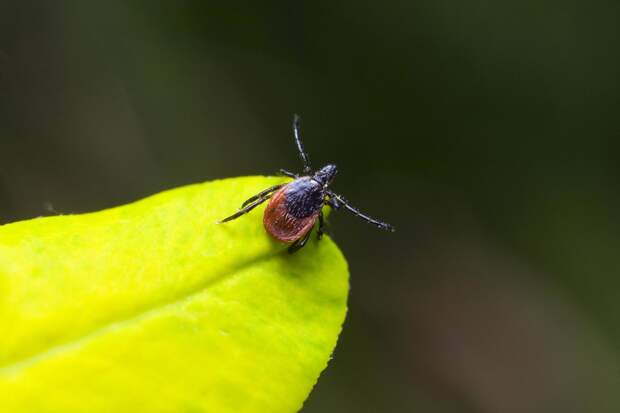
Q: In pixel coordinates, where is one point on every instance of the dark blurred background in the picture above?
(487, 132)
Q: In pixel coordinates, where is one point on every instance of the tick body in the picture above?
(295, 207)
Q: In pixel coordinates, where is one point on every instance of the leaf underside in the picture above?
(153, 307)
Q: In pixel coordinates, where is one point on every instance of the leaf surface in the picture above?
(153, 307)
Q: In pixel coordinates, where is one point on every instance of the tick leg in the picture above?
(288, 173)
(246, 209)
(319, 232)
(262, 194)
(300, 146)
(337, 202)
(333, 203)
(295, 246)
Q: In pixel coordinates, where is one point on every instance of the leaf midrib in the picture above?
(13, 367)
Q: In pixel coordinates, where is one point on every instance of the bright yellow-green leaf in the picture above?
(153, 307)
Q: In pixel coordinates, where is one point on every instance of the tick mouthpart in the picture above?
(326, 174)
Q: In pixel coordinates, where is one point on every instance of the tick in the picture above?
(295, 206)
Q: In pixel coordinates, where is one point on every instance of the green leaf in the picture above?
(153, 307)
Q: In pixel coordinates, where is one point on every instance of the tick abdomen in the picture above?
(293, 210)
